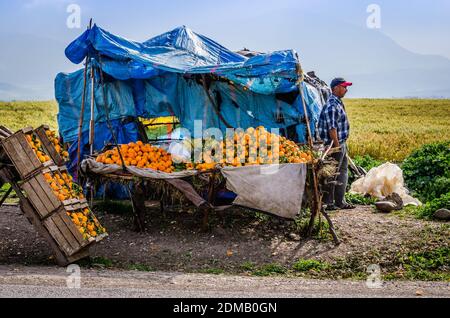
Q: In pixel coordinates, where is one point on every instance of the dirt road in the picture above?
(243, 244)
(49, 282)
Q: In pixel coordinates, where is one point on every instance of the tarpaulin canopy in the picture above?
(183, 74)
(185, 52)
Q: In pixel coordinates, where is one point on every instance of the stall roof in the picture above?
(184, 51)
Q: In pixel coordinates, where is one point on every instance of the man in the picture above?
(334, 128)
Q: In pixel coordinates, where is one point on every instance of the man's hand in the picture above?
(334, 137)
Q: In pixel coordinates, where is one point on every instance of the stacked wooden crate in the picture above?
(26, 169)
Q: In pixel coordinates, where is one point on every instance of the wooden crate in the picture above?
(49, 148)
(21, 154)
(79, 206)
(65, 233)
(41, 195)
(57, 228)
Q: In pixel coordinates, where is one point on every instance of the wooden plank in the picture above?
(32, 216)
(6, 129)
(34, 160)
(3, 134)
(59, 238)
(73, 229)
(34, 199)
(41, 196)
(27, 165)
(19, 157)
(48, 146)
(78, 256)
(27, 130)
(54, 201)
(65, 231)
(17, 160)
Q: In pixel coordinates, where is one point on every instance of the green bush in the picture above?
(427, 171)
(305, 265)
(424, 264)
(428, 209)
(367, 162)
(359, 199)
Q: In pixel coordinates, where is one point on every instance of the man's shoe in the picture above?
(347, 206)
(331, 207)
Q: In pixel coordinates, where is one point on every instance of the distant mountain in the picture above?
(377, 65)
(28, 66)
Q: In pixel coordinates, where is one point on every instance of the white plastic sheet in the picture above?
(383, 181)
(276, 189)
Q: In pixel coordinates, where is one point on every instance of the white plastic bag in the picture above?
(383, 181)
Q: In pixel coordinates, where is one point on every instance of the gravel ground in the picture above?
(175, 242)
(51, 282)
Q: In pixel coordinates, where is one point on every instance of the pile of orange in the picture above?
(63, 186)
(54, 140)
(36, 145)
(139, 155)
(254, 146)
(87, 223)
(290, 152)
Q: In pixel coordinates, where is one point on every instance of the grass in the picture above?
(97, 261)
(270, 269)
(431, 265)
(17, 115)
(385, 129)
(305, 265)
(12, 198)
(390, 129)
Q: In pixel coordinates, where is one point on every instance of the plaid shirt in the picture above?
(334, 116)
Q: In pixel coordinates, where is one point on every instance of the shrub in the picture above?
(367, 162)
(359, 199)
(428, 209)
(427, 171)
(304, 265)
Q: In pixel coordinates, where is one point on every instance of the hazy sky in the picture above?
(418, 25)
(332, 38)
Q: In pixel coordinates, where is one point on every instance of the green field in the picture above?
(391, 129)
(386, 129)
(17, 115)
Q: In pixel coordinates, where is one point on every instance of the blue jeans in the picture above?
(334, 191)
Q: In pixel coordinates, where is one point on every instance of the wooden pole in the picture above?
(92, 122)
(316, 200)
(317, 209)
(5, 196)
(83, 103)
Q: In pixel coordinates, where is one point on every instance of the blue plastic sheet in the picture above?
(185, 52)
(160, 77)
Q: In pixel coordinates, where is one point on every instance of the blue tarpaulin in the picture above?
(160, 77)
